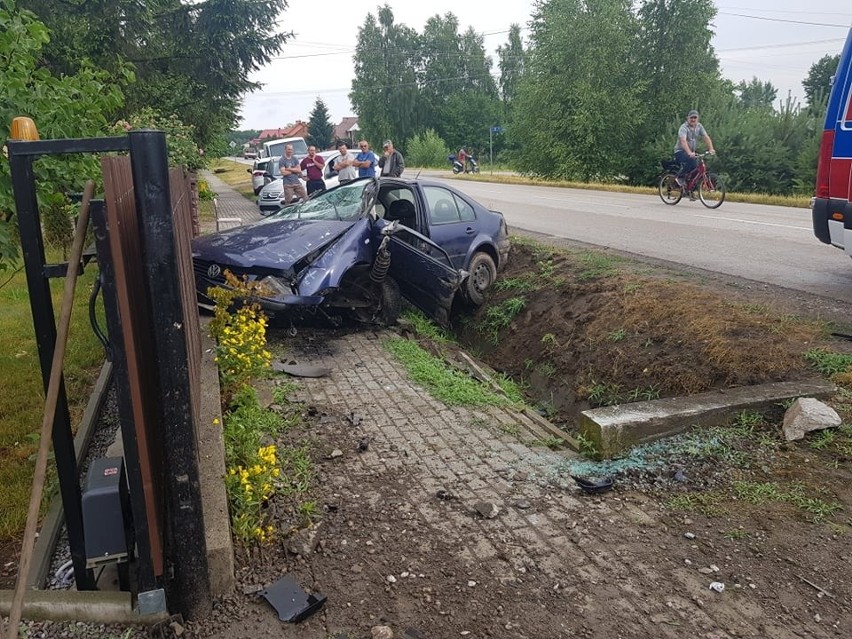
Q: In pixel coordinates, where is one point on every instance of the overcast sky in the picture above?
(776, 41)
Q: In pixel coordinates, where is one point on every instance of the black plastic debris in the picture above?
(291, 602)
(594, 486)
(364, 444)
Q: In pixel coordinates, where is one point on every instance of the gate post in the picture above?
(185, 547)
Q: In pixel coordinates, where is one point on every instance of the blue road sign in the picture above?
(496, 129)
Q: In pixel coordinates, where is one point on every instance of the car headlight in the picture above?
(277, 285)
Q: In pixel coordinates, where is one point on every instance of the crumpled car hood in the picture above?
(271, 244)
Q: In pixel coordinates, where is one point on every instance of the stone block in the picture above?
(614, 429)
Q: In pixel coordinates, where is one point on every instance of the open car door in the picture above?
(424, 272)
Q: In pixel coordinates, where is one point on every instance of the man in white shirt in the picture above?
(345, 164)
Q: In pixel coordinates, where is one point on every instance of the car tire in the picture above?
(384, 299)
(483, 274)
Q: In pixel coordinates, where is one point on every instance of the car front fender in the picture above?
(354, 247)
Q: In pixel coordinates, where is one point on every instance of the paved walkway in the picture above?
(232, 209)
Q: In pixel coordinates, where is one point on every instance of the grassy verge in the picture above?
(22, 399)
(750, 198)
(235, 175)
(444, 382)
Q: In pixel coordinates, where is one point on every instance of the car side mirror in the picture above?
(248, 170)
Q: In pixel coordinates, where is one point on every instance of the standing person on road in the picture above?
(290, 171)
(391, 162)
(313, 166)
(345, 164)
(687, 136)
(365, 160)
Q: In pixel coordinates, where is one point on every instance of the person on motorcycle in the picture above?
(462, 157)
(684, 152)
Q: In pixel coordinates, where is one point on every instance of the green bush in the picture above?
(179, 137)
(427, 150)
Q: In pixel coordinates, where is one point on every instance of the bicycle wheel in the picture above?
(670, 191)
(712, 191)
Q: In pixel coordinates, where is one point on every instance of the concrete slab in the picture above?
(614, 429)
(211, 451)
(71, 605)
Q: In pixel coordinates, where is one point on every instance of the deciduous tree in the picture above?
(576, 106)
(817, 84)
(756, 94)
(191, 58)
(66, 106)
(385, 89)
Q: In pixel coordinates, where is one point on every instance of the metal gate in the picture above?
(142, 227)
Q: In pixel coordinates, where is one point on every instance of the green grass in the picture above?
(500, 316)
(829, 363)
(22, 397)
(447, 384)
(524, 284)
(422, 325)
(617, 336)
(235, 175)
(596, 265)
(735, 534)
(604, 393)
(766, 492)
(706, 503)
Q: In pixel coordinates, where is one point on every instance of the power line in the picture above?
(779, 46)
(809, 12)
(812, 24)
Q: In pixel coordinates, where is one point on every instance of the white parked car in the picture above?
(269, 197)
(260, 175)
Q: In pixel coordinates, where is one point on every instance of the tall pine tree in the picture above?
(320, 128)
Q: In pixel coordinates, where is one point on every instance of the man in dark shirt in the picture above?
(313, 165)
(391, 162)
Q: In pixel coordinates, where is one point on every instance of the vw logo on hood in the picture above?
(214, 271)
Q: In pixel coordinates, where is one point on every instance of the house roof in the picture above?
(346, 126)
(299, 129)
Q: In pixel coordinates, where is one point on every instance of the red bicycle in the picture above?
(711, 188)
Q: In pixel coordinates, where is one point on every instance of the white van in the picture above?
(275, 148)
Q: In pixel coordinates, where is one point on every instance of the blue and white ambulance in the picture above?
(832, 204)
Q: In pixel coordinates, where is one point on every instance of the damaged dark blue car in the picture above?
(357, 248)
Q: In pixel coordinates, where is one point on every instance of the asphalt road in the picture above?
(770, 244)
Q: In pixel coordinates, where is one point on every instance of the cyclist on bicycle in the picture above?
(684, 152)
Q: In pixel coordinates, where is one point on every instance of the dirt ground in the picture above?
(401, 481)
(400, 542)
(595, 329)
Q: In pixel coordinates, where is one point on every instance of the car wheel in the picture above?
(383, 301)
(483, 273)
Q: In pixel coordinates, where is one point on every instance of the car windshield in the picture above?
(341, 203)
